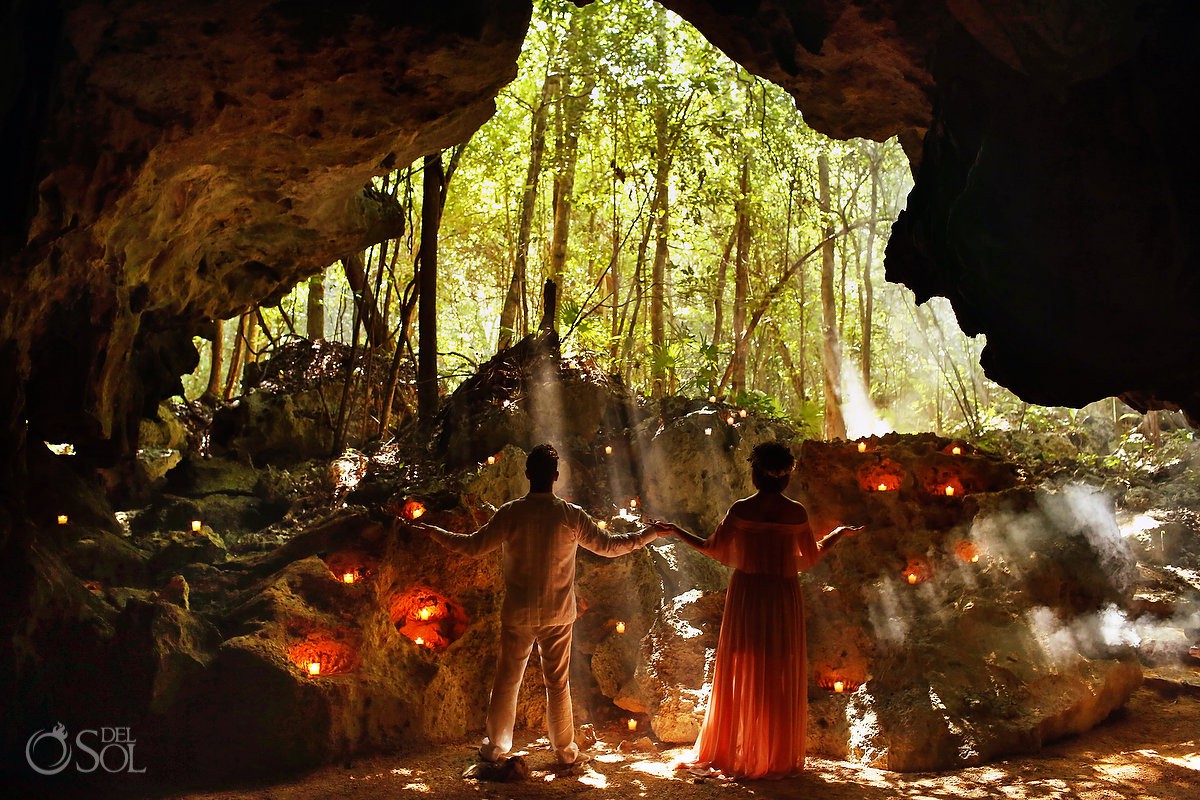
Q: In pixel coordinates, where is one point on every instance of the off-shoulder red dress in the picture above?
(755, 724)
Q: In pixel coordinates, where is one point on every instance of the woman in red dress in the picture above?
(755, 724)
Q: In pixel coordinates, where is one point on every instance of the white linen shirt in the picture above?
(538, 534)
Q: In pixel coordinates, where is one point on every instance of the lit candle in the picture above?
(507, 403)
(632, 724)
(602, 524)
(839, 687)
(196, 525)
(975, 559)
(620, 627)
(862, 447)
(348, 577)
(708, 431)
(912, 577)
(883, 487)
(956, 450)
(633, 502)
(742, 412)
(426, 612)
(314, 668)
(949, 491)
(608, 449)
(414, 509)
(62, 519)
(712, 398)
(419, 641)
(729, 419)
(491, 460)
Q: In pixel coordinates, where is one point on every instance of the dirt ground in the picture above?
(1149, 750)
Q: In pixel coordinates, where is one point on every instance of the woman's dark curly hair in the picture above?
(771, 466)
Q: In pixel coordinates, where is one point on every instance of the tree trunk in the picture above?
(658, 339)
(378, 335)
(835, 425)
(719, 303)
(741, 290)
(868, 289)
(213, 391)
(236, 358)
(431, 219)
(512, 318)
(316, 307)
(571, 107)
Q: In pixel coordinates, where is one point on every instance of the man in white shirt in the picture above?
(538, 535)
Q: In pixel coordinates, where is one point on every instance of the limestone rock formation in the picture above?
(957, 628)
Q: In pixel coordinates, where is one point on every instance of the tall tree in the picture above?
(868, 311)
(741, 281)
(835, 424)
(514, 314)
(315, 308)
(213, 391)
(432, 199)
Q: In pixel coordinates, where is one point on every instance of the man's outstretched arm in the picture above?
(603, 543)
(482, 541)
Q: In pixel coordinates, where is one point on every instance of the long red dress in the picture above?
(755, 724)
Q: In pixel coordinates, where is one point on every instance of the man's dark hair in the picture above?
(541, 466)
(771, 466)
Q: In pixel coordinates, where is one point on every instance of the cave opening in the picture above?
(222, 420)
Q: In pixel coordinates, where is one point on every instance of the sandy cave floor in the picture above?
(1150, 749)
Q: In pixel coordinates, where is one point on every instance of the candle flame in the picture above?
(712, 398)
(608, 449)
(633, 502)
(729, 419)
(975, 559)
(419, 641)
(912, 577)
(314, 668)
(620, 627)
(956, 450)
(602, 524)
(426, 612)
(62, 519)
(949, 491)
(414, 509)
(742, 412)
(839, 687)
(862, 447)
(883, 487)
(632, 724)
(708, 431)
(196, 525)
(349, 577)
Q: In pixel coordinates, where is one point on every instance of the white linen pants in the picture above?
(554, 650)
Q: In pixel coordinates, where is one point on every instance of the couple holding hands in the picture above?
(755, 723)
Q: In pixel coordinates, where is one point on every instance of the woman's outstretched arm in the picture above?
(831, 538)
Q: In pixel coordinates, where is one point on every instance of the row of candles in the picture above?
(956, 450)
(63, 519)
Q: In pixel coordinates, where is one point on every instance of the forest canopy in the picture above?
(704, 241)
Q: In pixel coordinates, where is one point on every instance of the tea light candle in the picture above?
(949, 491)
(426, 613)
(729, 419)
(883, 487)
(491, 460)
(839, 687)
(602, 524)
(712, 398)
(956, 450)
(314, 668)
(608, 449)
(620, 627)
(62, 519)
(742, 412)
(348, 577)
(912, 577)
(632, 724)
(862, 447)
(633, 502)
(708, 431)
(196, 526)
(419, 641)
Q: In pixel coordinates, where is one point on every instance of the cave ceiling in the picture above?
(168, 164)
